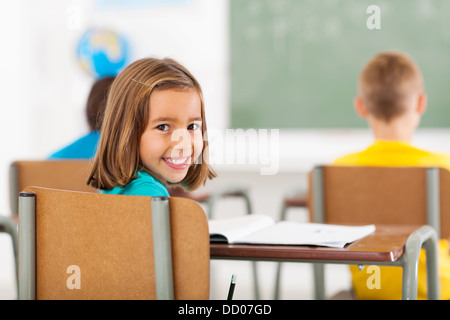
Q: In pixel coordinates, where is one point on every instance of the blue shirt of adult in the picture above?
(83, 148)
(143, 185)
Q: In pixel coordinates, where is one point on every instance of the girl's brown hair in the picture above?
(126, 117)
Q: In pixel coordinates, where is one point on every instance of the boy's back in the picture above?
(395, 153)
(391, 97)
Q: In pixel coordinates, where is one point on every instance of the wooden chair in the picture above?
(72, 175)
(77, 245)
(295, 199)
(60, 174)
(210, 199)
(379, 195)
(57, 174)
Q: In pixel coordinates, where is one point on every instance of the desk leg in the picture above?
(278, 272)
(426, 237)
(319, 281)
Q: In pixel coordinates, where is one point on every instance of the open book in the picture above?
(262, 229)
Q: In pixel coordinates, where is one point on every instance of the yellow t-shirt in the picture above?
(397, 153)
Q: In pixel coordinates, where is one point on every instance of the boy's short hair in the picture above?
(95, 106)
(387, 82)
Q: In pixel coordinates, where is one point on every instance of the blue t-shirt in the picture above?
(143, 185)
(83, 148)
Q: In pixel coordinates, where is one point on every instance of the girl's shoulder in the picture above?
(147, 185)
(143, 185)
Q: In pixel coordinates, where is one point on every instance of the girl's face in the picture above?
(173, 138)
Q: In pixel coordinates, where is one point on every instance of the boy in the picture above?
(86, 146)
(391, 97)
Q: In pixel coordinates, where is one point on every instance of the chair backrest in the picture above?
(56, 174)
(107, 242)
(381, 195)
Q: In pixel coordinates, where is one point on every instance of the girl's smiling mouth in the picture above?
(177, 163)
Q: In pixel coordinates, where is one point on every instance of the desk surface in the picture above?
(386, 244)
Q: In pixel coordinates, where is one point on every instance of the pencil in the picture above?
(232, 285)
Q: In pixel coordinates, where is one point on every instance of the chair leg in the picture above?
(27, 246)
(9, 226)
(230, 191)
(319, 281)
(278, 272)
(162, 248)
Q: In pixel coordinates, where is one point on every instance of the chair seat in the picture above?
(299, 200)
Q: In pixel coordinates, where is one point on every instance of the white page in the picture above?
(235, 228)
(293, 233)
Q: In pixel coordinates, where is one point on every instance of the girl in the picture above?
(153, 132)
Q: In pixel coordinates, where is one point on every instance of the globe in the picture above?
(102, 52)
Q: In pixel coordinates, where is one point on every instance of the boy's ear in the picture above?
(421, 103)
(360, 107)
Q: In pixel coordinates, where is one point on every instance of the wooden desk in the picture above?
(388, 245)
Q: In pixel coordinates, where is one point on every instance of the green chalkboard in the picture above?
(295, 63)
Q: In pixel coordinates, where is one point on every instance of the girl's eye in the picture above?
(193, 126)
(163, 127)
